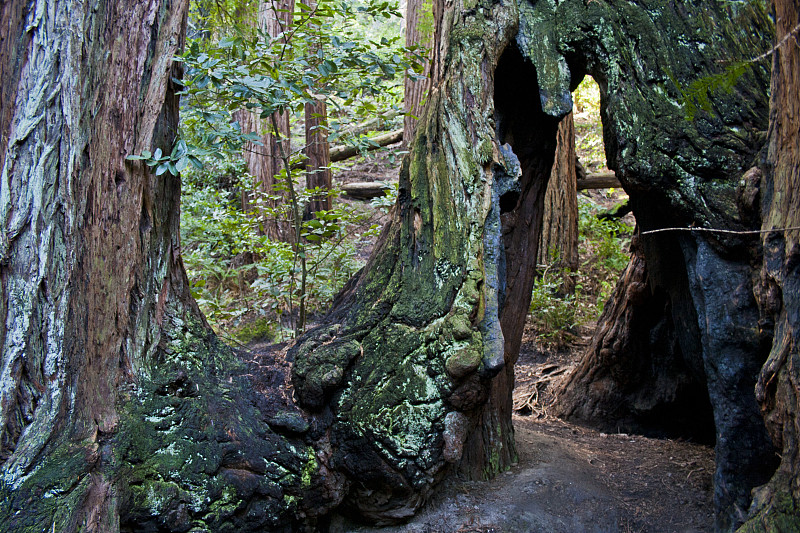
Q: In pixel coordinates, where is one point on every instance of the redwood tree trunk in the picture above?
(119, 409)
(419, 32)
(263, 160)
(776, 506)
(558, 247)
(90, 244)
(317, 150)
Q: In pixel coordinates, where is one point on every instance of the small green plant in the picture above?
(238, 274)
(605, 245)
(387, 201)
(604, 255)
(554, 315)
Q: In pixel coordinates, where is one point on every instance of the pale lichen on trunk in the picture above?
(120, 410)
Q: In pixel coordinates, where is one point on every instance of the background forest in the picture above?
(258, 271)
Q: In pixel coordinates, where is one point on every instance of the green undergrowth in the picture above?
(604, 253)
(247, 284)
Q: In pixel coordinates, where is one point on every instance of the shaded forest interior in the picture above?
(390, 332)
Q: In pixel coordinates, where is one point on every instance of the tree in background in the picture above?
(317, 150)
(320, 61)
(558, 247)
(419, 33)
(262, 158)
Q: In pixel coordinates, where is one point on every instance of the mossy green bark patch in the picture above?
(320, 366)
(650, 60)
(195, 452)
(48, 498)
(537, 39)
(464, 361)
(781, 514)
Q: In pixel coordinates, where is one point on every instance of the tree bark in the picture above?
(263, 160)
(119, 409)
(419, 32)
(776, 506)
(90, 249)
(637, 376)
(558, 247)
(712, 277)
(317, 151)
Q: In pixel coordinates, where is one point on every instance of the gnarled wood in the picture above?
(776, 506)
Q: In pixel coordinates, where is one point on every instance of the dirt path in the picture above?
(572, 480)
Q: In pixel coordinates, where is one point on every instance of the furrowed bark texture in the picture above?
(263, 160)
(317, 150)
(776, 506)
(558, 246)
(119, 410)
(419, 32)
(87, 251)
(635, 376)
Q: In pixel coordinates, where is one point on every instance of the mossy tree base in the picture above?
(123, 412)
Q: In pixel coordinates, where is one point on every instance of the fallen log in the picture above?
(340, 153)
(599, 180)
(366, 190)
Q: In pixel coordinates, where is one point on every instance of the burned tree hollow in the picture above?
(119, 408)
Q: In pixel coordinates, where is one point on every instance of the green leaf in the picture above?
(196, 163)
(182, 163)
(163, 167)
(179, 151)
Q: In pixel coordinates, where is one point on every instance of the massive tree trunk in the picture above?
(558, 245)
(119, 410)
(693, 289)
(90, 247)
(776, 506)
